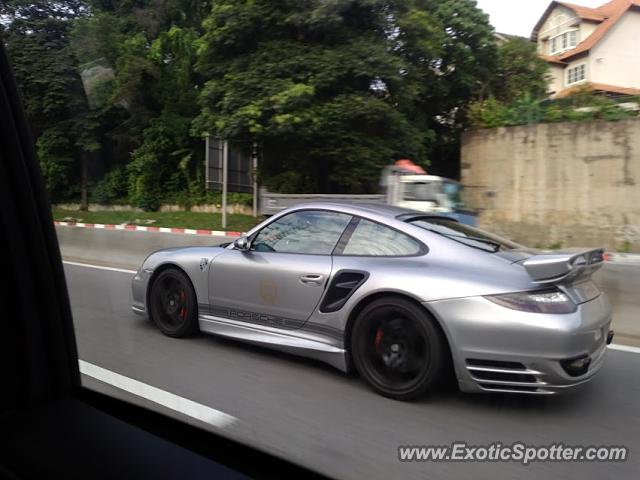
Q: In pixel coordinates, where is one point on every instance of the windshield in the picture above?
(444, 193)
(421, 191)
(474, 237)
(452, 192)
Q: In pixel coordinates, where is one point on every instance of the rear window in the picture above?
(472, 236)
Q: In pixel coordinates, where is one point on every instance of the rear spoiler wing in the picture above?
(564, 267)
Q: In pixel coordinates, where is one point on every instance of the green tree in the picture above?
(36, 34)
(449, 50)
(315, 83)
(332, 90)
(335, 90)
(152, 47)
(520, 71)
(512, 95)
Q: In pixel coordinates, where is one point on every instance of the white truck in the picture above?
(401, 187)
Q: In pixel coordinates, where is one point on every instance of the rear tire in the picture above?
(172, 304)
(398, 349)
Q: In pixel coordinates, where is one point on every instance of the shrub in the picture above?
(112, 188)
(583, 106)
(488, 113)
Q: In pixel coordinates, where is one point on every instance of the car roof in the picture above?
(364, 208)
(373, 211)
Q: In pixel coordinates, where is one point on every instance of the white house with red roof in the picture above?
(599, 47)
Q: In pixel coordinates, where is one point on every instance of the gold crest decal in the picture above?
(268, 291)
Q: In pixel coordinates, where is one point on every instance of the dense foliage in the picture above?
(582, 106)
(37, 34)
(331, 90)
(520, 72)
(515, 94)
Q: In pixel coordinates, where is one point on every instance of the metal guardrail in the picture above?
(272, 203)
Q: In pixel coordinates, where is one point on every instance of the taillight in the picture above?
(537, 301)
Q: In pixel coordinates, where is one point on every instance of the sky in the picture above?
(518, 17)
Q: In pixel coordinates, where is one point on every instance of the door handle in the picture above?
(312, 279)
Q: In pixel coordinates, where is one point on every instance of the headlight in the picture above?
(540, 301)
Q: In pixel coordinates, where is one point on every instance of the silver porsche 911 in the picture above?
(403, 297)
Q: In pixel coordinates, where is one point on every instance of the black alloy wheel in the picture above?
(398, 349)
(173, 305)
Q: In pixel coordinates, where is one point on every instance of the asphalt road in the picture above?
(128, 249)
(123, 248)
(316, 416)
(621, 283)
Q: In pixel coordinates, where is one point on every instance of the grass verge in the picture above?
(197, 220)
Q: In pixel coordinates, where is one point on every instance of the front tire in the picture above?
(398, 349)
(172, 304)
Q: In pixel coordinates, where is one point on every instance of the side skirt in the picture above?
(267, 337)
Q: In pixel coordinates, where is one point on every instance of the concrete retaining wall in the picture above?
(569, 184)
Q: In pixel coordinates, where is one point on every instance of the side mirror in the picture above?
(242, 244)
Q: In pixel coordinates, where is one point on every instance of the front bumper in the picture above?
(139, 285)
(496, 349)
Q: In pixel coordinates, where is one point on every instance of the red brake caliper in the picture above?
(183, 310)
(378, 338)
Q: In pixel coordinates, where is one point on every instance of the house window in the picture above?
(564, 41)
(576, 74)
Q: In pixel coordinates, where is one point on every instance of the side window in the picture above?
(307, 231)
(370, 238)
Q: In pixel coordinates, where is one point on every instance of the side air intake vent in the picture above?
(343, 285)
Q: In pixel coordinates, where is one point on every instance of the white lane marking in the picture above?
(161, 397)
(624, 348)
(99, 267)
(613, 346)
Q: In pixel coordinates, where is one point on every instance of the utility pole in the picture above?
(254, 173)
(207, 159)
(225, 170)
(84, 175)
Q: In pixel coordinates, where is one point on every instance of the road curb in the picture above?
(139, 228)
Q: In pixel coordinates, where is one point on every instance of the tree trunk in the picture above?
(84, 166)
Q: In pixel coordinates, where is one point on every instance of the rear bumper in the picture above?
(496, 349)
